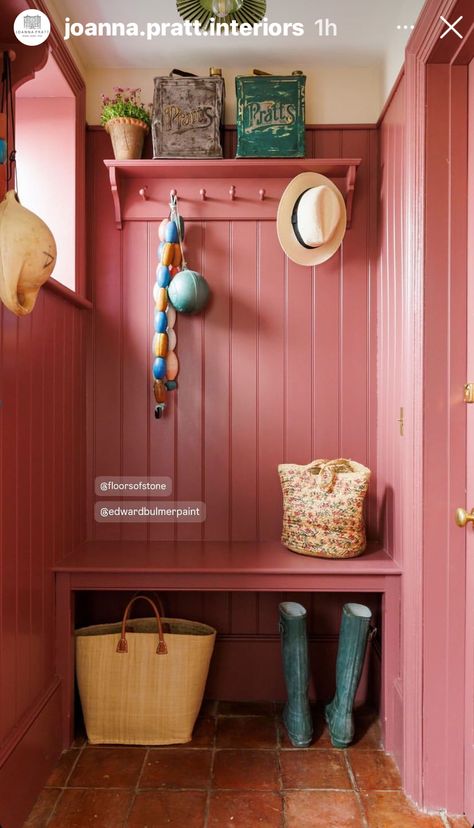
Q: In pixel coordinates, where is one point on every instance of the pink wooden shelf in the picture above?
(133, 195)
(223, 566)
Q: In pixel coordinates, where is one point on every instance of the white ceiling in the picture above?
(367, 34)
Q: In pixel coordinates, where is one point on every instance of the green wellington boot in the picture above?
(294, 650)
(353, 637)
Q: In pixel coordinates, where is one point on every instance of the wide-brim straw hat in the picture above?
(27, 255)
(311, 219)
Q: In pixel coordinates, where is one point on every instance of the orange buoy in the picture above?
(161, 299)
(160, 391)
(160, 345)
(177, 258)
(168, 253)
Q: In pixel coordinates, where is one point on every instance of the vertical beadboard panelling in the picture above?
(136, 357)
(389, 319)
(189, 444)
(243, 381)
(107, 286)
(10, 512)
(276, 369)
(161, 433)
(327, 358)
(217, 360)
(23, 528)
(299, 326)
(354, 309)
(43, 436)
(271, 379)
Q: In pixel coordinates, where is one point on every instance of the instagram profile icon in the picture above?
(32, 27)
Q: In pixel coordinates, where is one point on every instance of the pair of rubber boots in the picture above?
(353, 638)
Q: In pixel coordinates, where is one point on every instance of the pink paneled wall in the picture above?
(390, 339)
(42, 448)
(391, 251)
(280, 368)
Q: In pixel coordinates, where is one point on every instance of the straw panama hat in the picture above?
(27, 255)
(311, 219)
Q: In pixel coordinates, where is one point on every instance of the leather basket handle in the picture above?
(122, 646)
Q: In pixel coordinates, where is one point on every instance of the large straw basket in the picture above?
(139, 684)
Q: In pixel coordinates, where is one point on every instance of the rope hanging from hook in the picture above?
(6, 106)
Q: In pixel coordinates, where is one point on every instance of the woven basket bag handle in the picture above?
(327, 470)
(122, 646)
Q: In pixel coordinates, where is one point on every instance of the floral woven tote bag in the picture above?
(323, 507)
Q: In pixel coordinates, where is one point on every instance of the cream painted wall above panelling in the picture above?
(334, 94)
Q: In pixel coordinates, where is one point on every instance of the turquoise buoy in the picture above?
(161, 321)
(163, 276)
(171, 232)
(159, 368)
(171, 385)
(160, 250)
(188, 292)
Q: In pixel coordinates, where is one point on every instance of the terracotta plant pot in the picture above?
(128, 135)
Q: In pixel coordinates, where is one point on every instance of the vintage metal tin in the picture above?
(270, 116)
(187, 117)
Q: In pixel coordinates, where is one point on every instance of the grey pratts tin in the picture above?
(188, 116)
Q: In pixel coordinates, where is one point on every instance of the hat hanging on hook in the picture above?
(311, 219)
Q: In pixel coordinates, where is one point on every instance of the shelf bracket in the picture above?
(116, 197)
(350, 187)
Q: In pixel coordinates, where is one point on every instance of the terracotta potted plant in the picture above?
(127, 120)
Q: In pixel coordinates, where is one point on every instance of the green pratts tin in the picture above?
(270, 116)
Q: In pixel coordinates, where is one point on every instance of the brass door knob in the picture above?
(463, 517)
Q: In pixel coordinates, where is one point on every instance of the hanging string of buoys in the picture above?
(176, 289)
(170, 255)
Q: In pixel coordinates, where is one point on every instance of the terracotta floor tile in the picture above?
(103, 767)
(204, 732)
(374, 770)
(391, 809)
(203, 735)
(459, 822)
(177, 768)
(246, 708)
(246, 770)
(81, 808)
(314, 769)
(43, 808)
(368, 732)
(323, 809)
(245, 809)
(58, 777)
(154, 809)
(240, 732)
